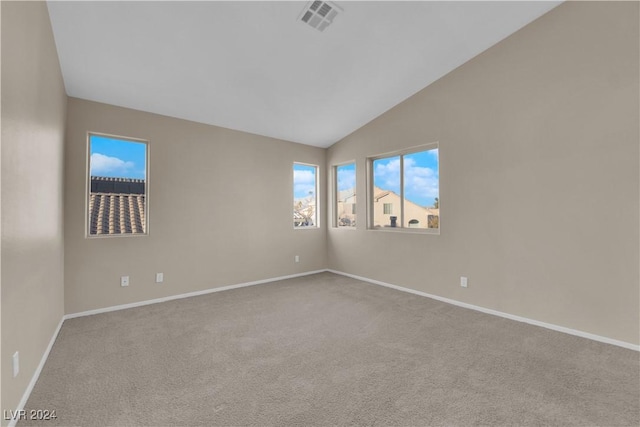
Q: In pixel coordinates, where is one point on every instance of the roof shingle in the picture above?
(117, 206)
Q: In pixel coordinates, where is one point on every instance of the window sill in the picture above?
(111, 236)
(431, 231)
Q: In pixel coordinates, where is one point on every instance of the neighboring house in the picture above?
(386, 204)
(116, 206)
(346, 208)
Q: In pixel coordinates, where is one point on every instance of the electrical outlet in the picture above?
(124, 281)
(297, 258)
(463, 281)
(16, 364)
(159, 277)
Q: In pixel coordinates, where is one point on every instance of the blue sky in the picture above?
(346, 177)
(304, 181)
(421, 176)
(117, 158)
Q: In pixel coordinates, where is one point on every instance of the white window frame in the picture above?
(371, 186)
(87, 232)
(336, 193)
(317, 196)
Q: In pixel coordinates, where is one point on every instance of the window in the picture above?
(345, 195)
(405, 190)
(305, 195)
(117, 187)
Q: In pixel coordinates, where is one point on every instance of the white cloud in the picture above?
(104, 165)
(304, 183)
(346, 180)
(420, 182)
(387, 175)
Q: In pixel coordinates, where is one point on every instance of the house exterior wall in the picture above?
(411, 211)
(346, 205)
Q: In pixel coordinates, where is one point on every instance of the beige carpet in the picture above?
(329, 350)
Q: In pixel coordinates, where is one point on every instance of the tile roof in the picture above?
(117, 206)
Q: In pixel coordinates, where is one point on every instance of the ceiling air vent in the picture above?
(320, 14)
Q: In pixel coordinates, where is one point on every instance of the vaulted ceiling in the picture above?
(256, 67)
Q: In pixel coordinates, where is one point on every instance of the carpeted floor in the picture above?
(329, 350)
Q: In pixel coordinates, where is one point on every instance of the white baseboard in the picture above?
(36, 375)
(187, 295)
(45, 356)
(497, 313)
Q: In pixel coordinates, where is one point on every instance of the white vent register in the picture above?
(320, 14)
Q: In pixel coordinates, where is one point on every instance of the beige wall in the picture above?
(545, 121)
(33, 119)
(220, 211)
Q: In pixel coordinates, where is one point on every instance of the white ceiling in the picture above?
(253, 66)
